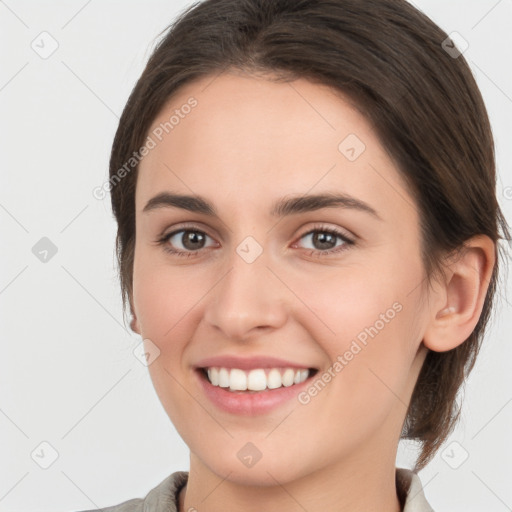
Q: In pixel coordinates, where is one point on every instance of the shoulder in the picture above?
(410, 491)
(162, 498)
(133, 505)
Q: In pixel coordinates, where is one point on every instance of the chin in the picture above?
(262, 473)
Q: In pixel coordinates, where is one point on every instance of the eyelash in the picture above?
(313, 252)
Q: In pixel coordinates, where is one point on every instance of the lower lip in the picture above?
(246, 403)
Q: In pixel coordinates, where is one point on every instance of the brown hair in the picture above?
(423, 102)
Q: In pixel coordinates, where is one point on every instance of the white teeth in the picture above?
(213, 375)
(288, 377)
(274, 379)
(223, 378)
(237, 380)
(255, 380)
(301, 376)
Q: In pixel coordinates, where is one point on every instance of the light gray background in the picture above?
(68, 375)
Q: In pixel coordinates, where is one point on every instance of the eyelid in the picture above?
(194, 226)
(344, 234)
(190, 226)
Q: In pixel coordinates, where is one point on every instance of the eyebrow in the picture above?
(283, 207)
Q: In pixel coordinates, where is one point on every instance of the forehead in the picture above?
(253, 136)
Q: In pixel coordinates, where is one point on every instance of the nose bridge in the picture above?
(249, 296)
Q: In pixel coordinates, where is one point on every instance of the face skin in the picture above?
(247, 144)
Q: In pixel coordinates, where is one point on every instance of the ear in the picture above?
(134, 323)
(460, 299)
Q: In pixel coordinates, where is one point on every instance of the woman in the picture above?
(307, 239)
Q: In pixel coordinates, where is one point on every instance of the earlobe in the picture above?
(134, 325)
(461, 298)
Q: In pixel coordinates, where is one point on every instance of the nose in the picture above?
(248, 300)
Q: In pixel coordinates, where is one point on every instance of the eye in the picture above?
(185, 242)
(326, 240)
(189, 242)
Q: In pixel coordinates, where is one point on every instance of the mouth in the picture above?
(257, 380)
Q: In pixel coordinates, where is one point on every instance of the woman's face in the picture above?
(303, 247)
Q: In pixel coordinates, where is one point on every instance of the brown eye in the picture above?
(193, 240)
(323, 240)
(326, 240)
(185, 240)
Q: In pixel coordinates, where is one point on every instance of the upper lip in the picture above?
(248, 363)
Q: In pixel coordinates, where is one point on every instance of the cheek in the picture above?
(166, 302)
(165, 298)
(366, 320)
(347, 301)
(368, 377)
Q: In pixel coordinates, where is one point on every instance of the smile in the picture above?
(252, 392)
(259, 379)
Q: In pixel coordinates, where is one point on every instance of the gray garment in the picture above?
(164, 497)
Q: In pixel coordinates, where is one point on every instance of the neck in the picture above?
(365, 482)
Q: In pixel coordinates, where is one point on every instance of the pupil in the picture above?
(192, 237)
(325, 240)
